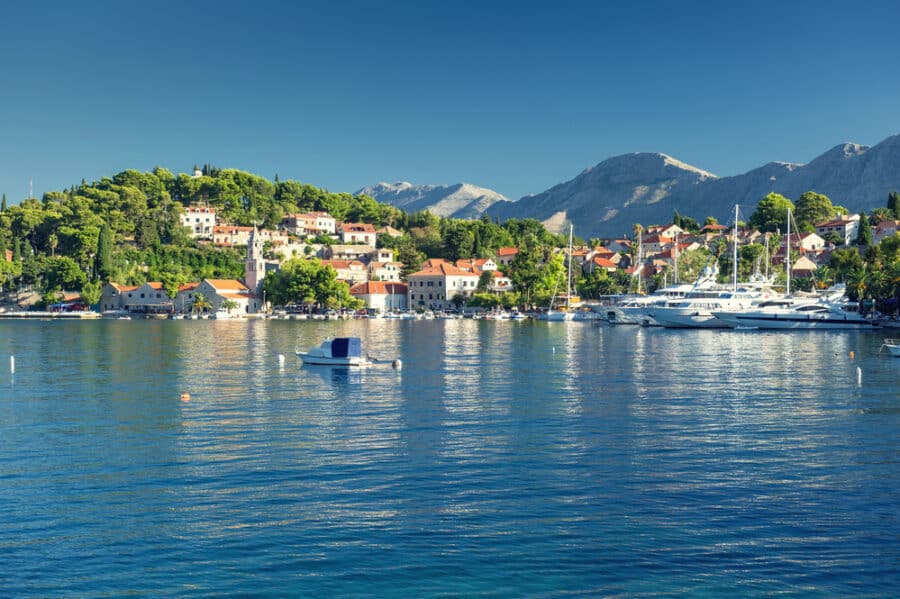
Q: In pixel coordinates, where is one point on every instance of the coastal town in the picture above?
(357, 255)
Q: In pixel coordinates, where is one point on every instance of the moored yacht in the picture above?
(827, 312)
(697, 310)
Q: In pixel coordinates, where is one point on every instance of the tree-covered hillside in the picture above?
(127, 228)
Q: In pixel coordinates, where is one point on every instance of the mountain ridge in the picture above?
(459, 200)
(606, 199)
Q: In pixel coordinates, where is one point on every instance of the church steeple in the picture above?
(255, 265)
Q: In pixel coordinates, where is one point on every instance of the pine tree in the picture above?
(893, 203)
(864, 236)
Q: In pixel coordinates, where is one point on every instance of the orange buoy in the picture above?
(185, 396)
(851, 355)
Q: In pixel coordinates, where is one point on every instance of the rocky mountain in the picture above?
(607, 199)
(461, 200)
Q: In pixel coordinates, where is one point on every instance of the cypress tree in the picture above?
(3, 205)
(17, 249)
(676, 219)
(103, 260)
(864, 236)
(893, 203)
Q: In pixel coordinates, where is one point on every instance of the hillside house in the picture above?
(200, 221)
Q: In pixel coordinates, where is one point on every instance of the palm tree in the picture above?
(824, 277)
(201, 304)
(229, 305)
(857, 283)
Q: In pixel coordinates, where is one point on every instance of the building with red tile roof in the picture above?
(382, 296)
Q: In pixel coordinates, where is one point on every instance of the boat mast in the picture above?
(569, 274)
(676, 258)
(734, 264)
(787, 254)
(639, 260)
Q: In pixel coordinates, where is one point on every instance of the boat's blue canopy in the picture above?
(346, 347)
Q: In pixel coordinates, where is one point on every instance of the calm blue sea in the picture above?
(504, 459)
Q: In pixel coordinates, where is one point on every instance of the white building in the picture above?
(358, 233)
(217, 291)
(845, 227)
(385, 271)
(309, 223)
(200, 221)
(381, 296)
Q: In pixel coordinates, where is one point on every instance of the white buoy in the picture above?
(281, 360)
(12, 364)
(858, 375)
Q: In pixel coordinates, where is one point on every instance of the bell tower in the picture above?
(255, 265)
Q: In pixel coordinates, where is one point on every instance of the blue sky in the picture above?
(515, 96)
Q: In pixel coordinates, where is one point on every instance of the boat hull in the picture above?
(692, 319)
(327, 361)
(557, 316)
(793, 322)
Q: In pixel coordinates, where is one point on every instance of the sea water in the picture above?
(503, 459)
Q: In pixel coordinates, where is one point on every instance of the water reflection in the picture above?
(502, 451)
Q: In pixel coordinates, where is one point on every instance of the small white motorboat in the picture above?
(893, 346)
(340, 351)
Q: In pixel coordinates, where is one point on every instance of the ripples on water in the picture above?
(504, 459)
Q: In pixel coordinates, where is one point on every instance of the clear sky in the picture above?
(515, 96)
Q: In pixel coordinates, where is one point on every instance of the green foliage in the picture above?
(844, 260)
(864, 235)
(61, 272)
(302, 281)
(813, 208)
(92, 292)
(103, 266)
(689, 224)
(484, 282)
(771, 213)
(893, 203)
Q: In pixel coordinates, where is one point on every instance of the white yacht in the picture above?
(829, 311)
(636, 309)
(697, 310)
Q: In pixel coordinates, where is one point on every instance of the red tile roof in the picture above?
(227, 284)
(507, 251)
(379, 288)
(357, 228)
(444, 269)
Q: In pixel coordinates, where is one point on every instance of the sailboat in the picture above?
(567, 314)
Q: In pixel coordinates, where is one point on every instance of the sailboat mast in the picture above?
(639, 260)
(676, 258)
(734, 264)
(569, 275)
(787, 254)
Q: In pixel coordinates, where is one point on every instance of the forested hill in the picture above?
(127, 228)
